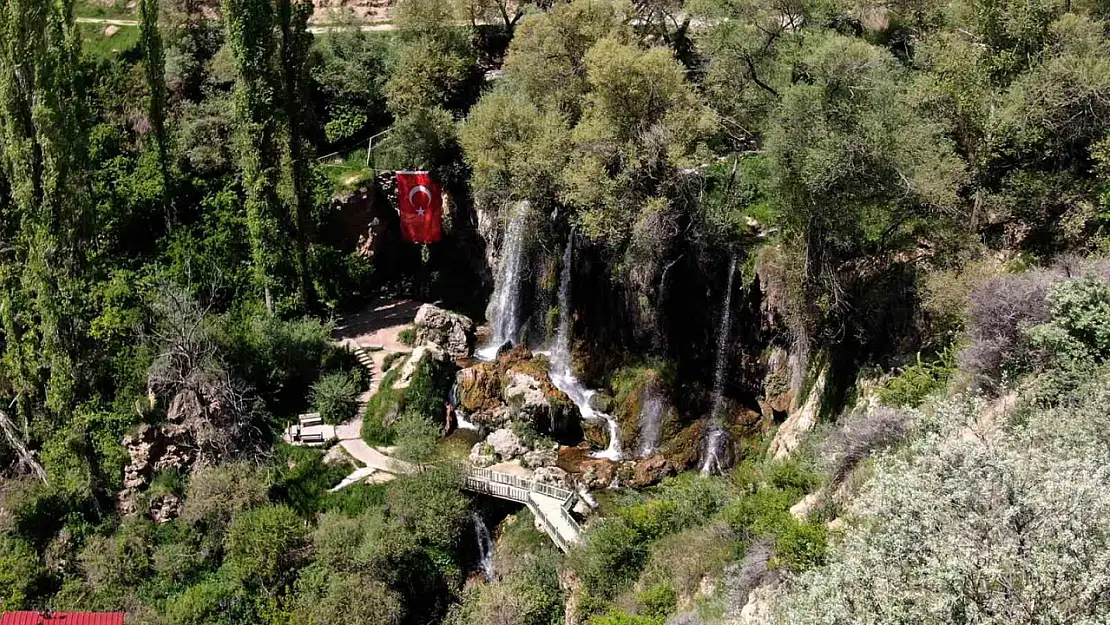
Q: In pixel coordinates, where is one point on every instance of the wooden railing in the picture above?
(565, 495)
(518, 489)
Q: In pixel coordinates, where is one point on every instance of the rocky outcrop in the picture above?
(514, 388)
(453, 332)
(482, 455)
(165, 508)
(506, 444)
(792, 431)
(429, 351)
(153, 449)
(540, 458)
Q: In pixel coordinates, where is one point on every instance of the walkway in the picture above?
(372, 335)
(550, 504)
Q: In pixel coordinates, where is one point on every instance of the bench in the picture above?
(311, 419)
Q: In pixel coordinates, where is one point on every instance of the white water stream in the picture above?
(505, 307)
(651, 421)
(460, 417)
(715, 438)
(485, 545)
(561, 372)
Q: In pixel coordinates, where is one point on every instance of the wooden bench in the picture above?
(312, 437)
(311, 419)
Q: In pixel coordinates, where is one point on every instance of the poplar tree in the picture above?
(154, 64)
(250, 34)
(44, 153)
(295, 45)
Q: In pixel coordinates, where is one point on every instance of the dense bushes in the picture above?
(1028, 489)
(335, 397)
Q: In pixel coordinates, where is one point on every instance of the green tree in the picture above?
(154, 65)
(265, 546)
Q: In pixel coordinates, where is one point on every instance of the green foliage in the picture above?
(416, 437)
(20, 573)
(264, 546)
(407, 336)
(279, 359)
(617, 617)
(301, 479)
(914, 383)
(425, 396)
(800, 546)
(216, 495)
(335, 397)
(657, 601)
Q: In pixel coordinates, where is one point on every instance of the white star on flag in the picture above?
(420, 212)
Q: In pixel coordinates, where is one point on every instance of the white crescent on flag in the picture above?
(420, 189)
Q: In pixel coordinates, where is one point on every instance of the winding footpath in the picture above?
(373, 335)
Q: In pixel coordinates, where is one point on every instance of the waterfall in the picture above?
(561, 372)
(485, 545)
(460, 417)
(716, 434)
(651, 420)
(505, 307)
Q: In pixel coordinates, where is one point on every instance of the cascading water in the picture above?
(715, 436)
(561, 372)
(651, 420)
(505, 307)
(485, 545)
(460, 416)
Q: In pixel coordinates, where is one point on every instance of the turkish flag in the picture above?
(421, 207)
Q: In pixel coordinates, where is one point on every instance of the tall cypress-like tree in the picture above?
(44, 152)
(154, 64)
(250, 33)
(295, 45)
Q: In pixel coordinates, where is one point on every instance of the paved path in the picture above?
(376, 328)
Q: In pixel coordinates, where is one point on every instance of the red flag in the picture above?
(421, 207)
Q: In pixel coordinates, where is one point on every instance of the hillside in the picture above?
(721, 311)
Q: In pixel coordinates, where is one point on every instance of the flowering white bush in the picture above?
(977, 521)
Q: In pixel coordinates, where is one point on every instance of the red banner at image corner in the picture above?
(421, 202)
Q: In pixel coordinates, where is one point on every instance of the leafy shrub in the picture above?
(279, 359)
(264, 545)
(301, 479)
(391, 358)
(20, 572)
(1031, 496)
(800, 546)
(407, 336)
(618, 617)
(611, 559)
(1001, 309)
(415, 437)
(657, 602)
(914, 383)
(215, 495)
(335, 397)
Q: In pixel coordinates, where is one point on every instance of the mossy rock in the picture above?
(684, 448)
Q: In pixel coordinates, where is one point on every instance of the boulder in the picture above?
(506, 444)
(451, 331)
(482, 455)
(651, 471)
(418, 355)
(541, 458)
(165, 508)
(599, 473)
(537, 401)
(478, 388)
(551, 475)
(602, 402)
